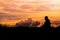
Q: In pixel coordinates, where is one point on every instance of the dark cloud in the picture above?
(28, 23)
(13, 10)
(8, 16)
(56, 22)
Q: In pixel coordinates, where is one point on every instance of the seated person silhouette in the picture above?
(47, 22)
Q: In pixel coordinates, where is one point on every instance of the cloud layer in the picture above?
(18, 9)
(7, 16)
(29, 5)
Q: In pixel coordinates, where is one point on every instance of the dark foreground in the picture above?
(28, 29)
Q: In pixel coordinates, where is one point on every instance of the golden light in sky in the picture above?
(36, 9)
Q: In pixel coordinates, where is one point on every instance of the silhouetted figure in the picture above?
(47, 22)
(46, 27)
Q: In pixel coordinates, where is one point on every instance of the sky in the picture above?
(11, 11)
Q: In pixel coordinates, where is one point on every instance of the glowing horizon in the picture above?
(22, 9)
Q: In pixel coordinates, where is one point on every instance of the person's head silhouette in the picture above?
(46, 17)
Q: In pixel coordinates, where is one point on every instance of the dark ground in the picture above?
(29, 29)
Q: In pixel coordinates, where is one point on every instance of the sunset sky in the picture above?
(12, 11)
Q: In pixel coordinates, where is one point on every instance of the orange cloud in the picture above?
(17, 9)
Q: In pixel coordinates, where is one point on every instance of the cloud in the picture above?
(56, 22)
(24, 5)
(13, 10)
(9, 17)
